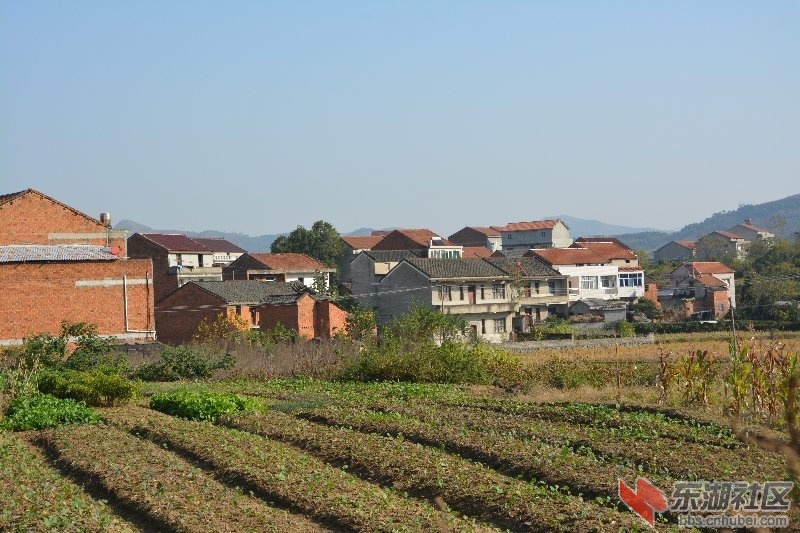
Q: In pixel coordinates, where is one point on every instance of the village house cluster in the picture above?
(57, 263)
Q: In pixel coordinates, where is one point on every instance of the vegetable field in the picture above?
(314, 455)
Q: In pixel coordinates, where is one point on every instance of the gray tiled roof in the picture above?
(457, 268)
(254, 292)
(525, 266)
(21, 253)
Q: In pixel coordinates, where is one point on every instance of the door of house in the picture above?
(471, 294)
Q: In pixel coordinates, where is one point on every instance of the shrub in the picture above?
(39, 411)
(95, 388)
(183, 362)
(625, 329)
(196, 405)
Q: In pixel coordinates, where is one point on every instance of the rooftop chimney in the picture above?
(749, 221)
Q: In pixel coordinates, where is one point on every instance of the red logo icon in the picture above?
(645, 501)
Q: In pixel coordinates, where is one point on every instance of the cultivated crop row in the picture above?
(281, 473)
(582, 474)
(34, 496)
(431, 473)
(161, 490)
(657, 456)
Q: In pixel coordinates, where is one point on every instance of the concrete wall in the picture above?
(36, 297)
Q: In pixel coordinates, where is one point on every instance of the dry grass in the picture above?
(716, 343)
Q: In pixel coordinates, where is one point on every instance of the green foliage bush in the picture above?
(625, 329)
(39, 411)
(196, 405)
(408, 351)
(96, 387)
(183, 362)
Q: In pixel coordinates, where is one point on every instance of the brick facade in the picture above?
(36, 297)
(180, 313)
(34, 218)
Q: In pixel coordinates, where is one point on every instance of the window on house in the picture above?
(483, 326)
(238, 310)
(445, 293)
(536, 286)
(544, 234)
(498, 291)
(461, 292)
(509, 236)
(608, 282)
(499, 325)
(552, 286)
(631, 279)
(588, 282)
(483, 292)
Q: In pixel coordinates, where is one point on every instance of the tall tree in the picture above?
(321, 242)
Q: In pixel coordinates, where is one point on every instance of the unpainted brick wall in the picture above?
(179, 314)
(31, 218)
(36, 297)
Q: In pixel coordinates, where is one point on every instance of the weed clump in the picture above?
(196, 405)
(39, 411)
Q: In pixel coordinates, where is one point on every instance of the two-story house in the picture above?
(594, 276)
(225, 252)
(59, 264)
(718, 243)
(705, 289)
(538, 290)
(177, 260)
(537, 234)
(477, 236)
(422, 242)
(473, 288)
(354, 245)
(676, 251)
(280, 267)
(751, 232)
(368, 268)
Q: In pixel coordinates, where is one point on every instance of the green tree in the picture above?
(321, 242)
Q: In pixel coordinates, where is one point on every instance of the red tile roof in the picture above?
(692, 245)
(361, 242)
(489, 232)
(475, 251)
(528, 226)
(407, 239)
(710, 281)
(609, 250)
(710, 267)
(729, 235)
(176, 242)
(289, 262)
(630, 269)
(569, 256)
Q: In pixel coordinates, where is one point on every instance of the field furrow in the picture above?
(590, 477)
(655, 455)
(470, 488)
(642, 424)
(154, 483)
(282, 473)
(35, 497)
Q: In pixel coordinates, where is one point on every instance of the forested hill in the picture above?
(782, 217)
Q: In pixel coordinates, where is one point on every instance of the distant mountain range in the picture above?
(259, 243)
(782, 217)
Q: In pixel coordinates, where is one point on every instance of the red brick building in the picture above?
(278, 267)
(262, 304)
(57, 263)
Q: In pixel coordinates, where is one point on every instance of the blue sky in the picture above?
(259, 116)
